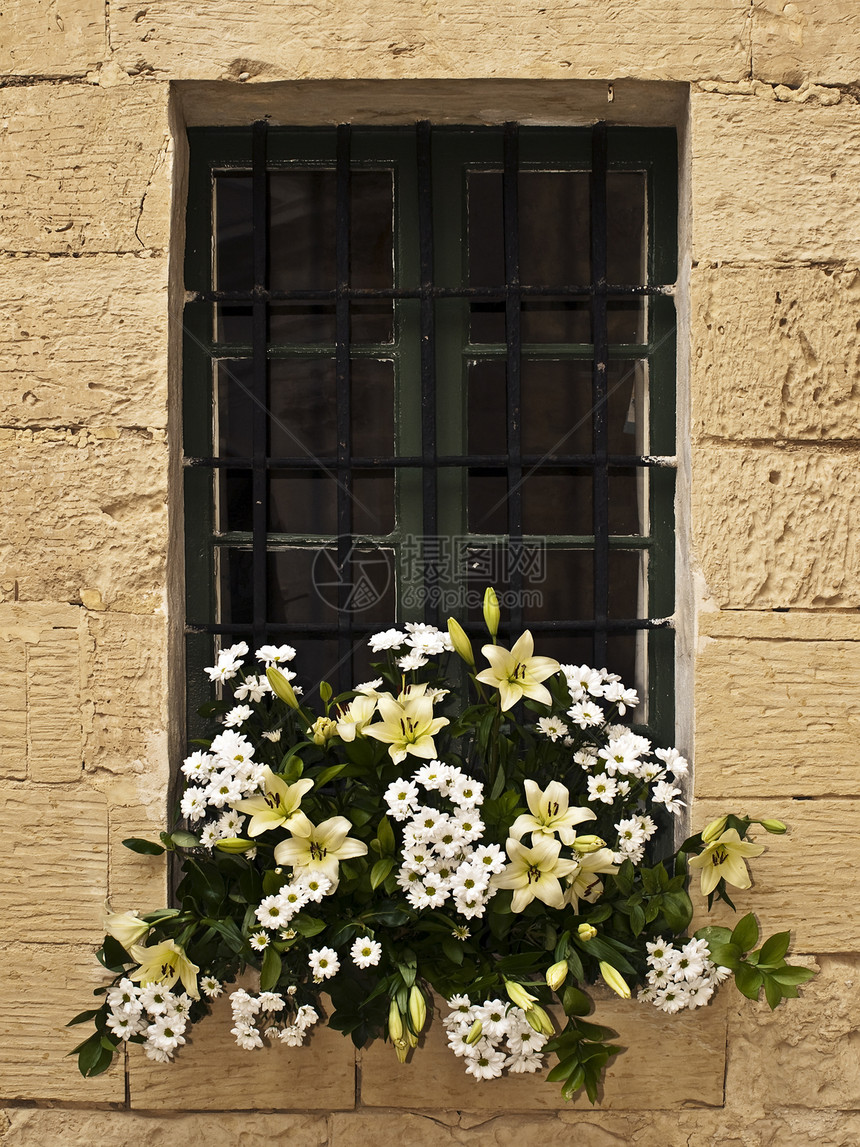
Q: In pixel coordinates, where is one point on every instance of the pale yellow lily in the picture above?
(517, 673)
(407, 727)
(320, 848)
(164, 964)
(354, 717)
(277, 805)
(550, 814)
(584, 883)
(534, 873)
(126, 927)
(723, 859)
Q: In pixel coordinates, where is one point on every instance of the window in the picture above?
(422, 360)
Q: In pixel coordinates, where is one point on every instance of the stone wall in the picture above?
(94, 100)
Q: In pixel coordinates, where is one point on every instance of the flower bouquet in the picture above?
(499, 835)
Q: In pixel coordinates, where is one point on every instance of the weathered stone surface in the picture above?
(439, 39)
(83, 341)
(663, 1043)
(103, 185)
(773, 182)
(94, 517)
(789, 625)
(44, 986)
(777, 718)
(806, 880)
(139, 807)
(40, 692)
(816, 40)
(811, 1040)
(213, 1074)
(26, 1127)
(53, 850)
(38, 37)
(776, 353)
(774, 528)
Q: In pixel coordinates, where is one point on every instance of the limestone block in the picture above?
(817, 40)
(53, 851)
(812, 1041)
(776, 353)
(806, 880)
(62, 1127)
(102, 185)
(793, 625)
(83, 511)
(657, 1048)
(774, 182)
(699, 1127)
(331, 39)
(44, 986)
(777, 718)
(40, 692)
(83, 341)
(776, 528)
(211, 1073)
(39, 38)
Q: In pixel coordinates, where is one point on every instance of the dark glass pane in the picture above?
(554, 225)
(372, 229)
(372, 322)
(488, 502)
(567, 591)
(302, 502)
(627, 591)
(316, 660)
(303, 408)
(556, 407)
(487, 322)
(304, 585)
(372, 408)
(373, 501)
(302, 230)
(557, 502)
(621, 658)
(628, 500)
(566, 648)
(487, 408)
(235, 500)
(235, 573)
(555, 321)
(301, 323)
(485, 225)
(625, 224)
(234, 248)
(234, 407)
(625, 320)
(627, 407)
(234, 323)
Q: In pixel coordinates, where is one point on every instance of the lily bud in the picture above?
(540, 1021)
(126, 927)
(322, 730)
(476, 1030)
(411, 1038)
(281, 687)
(557, 974)
(585, 844)
(519, 995)
(773, 826)
(492, 613)
(417, 1009)
(713, 830)
(235, 844)
(615, 980)
(395, 1024)
(462, 644)
(401, 1049)
(586, 932)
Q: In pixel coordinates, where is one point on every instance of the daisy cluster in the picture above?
(422, 642)
(682, 977)
(267, 1014)
(276, 910)
(154, 1012)
(441, 855)
(507, 1041)
(216, 780)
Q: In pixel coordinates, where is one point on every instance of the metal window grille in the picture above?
(430, 292)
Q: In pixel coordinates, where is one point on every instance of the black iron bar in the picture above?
(343, 415)
(510, 214)
(260, 416)
(599, 391)
(430, 517)
(304, 628)
(463, 292)
(485, 461)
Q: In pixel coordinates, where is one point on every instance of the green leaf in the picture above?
(380, 871)
(144, 847)
(746, 933)
(270, 972)
(793, 975)
(677, 908)
(714, 934)
(329, 774)
(498, 784)
(749, 981)
(91, 1057)
(385, 835)
(575, 1002)
(563, 1069)
(184, 839)
(726, 955)
(773, 950)
(772, 991)
(576, 1080)
(307, 925)
(453, 950)
(637, 919)
(82, 1017)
